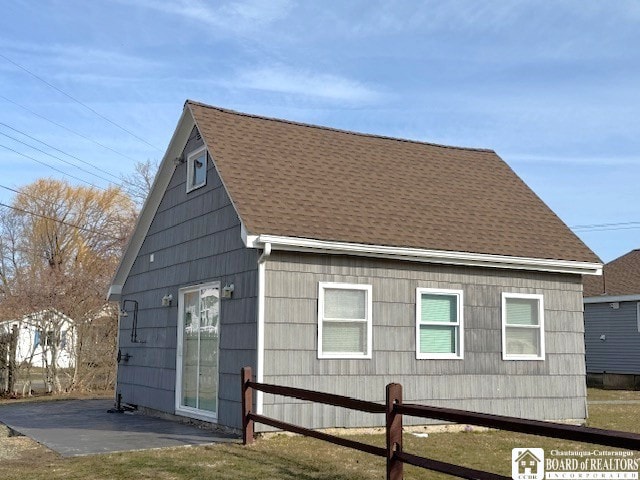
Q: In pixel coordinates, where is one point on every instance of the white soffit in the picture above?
(422, 255)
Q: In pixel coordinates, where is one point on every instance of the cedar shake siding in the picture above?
(287, 207)
(195, 238)
(482, 381)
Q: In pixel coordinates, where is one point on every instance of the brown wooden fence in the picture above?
(394, 409)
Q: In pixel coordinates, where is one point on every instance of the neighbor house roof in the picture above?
(337, 190)
(306, 181)
(620, 277)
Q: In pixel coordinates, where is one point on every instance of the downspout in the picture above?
(266, 252)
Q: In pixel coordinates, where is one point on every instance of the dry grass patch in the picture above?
(598, 394)
(293, 457)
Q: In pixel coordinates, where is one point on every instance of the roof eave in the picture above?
(423, 255)
(612, 298)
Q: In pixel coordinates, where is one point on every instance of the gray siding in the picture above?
(195, 237)
(482, 381)
(620, 351)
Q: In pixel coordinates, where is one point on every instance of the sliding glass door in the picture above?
(198, 351)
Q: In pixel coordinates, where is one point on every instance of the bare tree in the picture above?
(60, 247)
(139, 183)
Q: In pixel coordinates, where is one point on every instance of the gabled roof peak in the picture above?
(333, 129)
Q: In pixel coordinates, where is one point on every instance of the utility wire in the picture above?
(608, 229)
(64, 161)
(57, 158)
(605, 225)
(55, 205)
(78, 102)
(50, 166)
(89, 230)
(68, 129)
(111, 182)
(61, 151)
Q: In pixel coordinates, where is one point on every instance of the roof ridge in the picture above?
(338, 130)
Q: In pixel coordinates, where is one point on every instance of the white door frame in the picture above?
(181, 409)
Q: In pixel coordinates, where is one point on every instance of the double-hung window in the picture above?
(197, 169)
(439, 324)
(522, 326)
(344, 320)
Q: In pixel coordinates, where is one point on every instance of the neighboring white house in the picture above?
(43, 335)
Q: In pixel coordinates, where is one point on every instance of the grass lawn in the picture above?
(286, 457)
(597, 394)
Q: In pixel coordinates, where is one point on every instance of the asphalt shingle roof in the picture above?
(620, 277)
(299, 180)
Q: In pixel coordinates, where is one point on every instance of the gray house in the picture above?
(612, 324)
(340, 261)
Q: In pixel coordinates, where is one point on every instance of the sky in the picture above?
(552, 86)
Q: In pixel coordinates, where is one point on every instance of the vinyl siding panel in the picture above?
(620, 351)
(482, 381)
(195, 238)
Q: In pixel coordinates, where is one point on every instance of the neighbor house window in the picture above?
(344, 321)
(522, 327)
(439, 329)
(197, 169)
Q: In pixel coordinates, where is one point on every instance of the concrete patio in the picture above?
(84, 427)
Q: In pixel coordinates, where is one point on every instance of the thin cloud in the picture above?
(72, 56)
(241, 15)
(309, 84)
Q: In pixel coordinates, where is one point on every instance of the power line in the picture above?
(61, 151)
(50, 166)
(118, 190)
(79, 102)
(39, 199)
(606, 227)
(68, 129)
(72, 225)
(601, 225)
(53, 156)
(124, 180)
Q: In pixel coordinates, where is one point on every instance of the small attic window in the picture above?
(197, 169)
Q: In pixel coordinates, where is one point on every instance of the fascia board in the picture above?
(423, 255)
(612, 298)
(151, 204)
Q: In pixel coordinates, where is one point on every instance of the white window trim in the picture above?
(638, 315)
(368, 319)
(190, 158)
(459, 354)
(181, 409)
(540, 327)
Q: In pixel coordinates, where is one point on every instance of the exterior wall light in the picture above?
(166, 300)
(227, 290)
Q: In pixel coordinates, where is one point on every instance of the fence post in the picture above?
(247, 406)
(13, 346)
(394, 431)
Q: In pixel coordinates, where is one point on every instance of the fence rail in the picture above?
(394, 409)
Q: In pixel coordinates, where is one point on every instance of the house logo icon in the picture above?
(527, 464)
